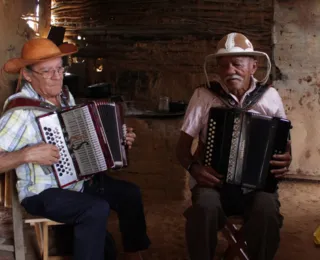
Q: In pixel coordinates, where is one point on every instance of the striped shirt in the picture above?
(19, 129)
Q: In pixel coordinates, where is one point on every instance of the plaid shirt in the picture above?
(19, 129)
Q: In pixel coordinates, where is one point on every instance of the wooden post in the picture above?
(17, 221)
(7, 190)
(44, 17)
(2, 179)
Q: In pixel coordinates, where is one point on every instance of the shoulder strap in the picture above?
(65, 95)
(218, 91)
(250, 100)
(35, 104)
(28, 103)
(253, 97)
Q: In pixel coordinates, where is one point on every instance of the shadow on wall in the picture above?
(7, 87)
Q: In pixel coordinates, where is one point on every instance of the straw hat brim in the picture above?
(16, 64)
(213, 57)
(242, 53)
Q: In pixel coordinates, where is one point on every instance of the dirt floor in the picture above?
(300, 207)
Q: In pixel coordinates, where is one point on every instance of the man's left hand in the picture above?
(281, 162)
(130, 137)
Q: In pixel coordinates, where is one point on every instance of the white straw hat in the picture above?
(236, 44)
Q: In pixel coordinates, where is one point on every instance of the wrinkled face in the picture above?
(46, 77)
(236, 71)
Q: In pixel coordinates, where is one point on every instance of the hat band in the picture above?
(234, 49)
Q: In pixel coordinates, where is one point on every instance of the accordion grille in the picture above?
(82, 134)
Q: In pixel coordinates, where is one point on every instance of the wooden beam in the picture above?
(44, 17)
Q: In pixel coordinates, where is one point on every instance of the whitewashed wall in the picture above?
(297, 55)
(13, 33)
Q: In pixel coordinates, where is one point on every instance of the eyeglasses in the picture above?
(48, 74)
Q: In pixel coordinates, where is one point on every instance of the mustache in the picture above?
(230, 77)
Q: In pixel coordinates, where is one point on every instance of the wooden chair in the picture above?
(41, 228)
(9, 196)
(233, 232)
(10, 199)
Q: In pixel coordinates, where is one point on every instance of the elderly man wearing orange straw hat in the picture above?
(22, 149)
(235, 86)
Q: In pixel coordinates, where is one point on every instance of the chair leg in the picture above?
(19, 249)
(38, 231)
(237, 246)
(45, 241)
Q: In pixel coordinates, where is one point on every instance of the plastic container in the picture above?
(163, 105)
(316, 236)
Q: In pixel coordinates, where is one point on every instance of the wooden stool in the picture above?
(233, 232)
(42, 233)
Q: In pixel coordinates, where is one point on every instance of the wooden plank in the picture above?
(39, 220)
(44, 17)
(7, 190)
(19, 249)
(9, 248)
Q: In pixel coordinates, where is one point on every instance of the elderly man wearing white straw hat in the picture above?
(81, 204)
(213, 198)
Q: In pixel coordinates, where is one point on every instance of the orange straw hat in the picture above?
(236, 44)
(38, 50)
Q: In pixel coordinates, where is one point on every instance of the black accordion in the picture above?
(90, 138)
(240, 145)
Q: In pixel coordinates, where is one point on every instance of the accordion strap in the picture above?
(250, 100)
(36, 104)
(28, 103)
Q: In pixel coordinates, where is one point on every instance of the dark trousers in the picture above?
(88, 212)
(208, 213)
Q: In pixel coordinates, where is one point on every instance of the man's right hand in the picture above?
(43, 154)
(205, 175)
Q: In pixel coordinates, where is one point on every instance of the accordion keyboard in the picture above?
(84, 139)
(53, 134)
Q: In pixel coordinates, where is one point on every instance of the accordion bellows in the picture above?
(90, 138)
(240, 145)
